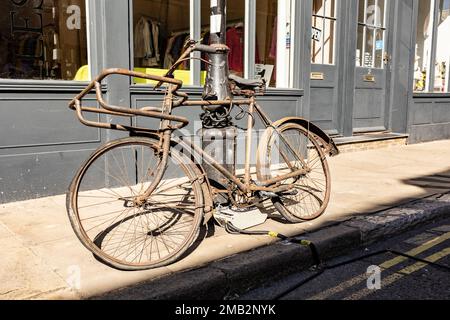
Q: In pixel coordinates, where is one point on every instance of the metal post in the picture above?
(216, 83)
(218, 134)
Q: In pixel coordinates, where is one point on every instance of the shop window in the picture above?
(235, 33)
(171, 20)
(43, 39)
(432, 56)
(423, 45)
(161, 29)
(324, 31)
(274, 42)
(441, 65)
(371, 33)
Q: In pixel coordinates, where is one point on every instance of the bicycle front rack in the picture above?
(107, 109)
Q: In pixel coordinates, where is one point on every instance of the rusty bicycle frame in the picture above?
(169, 123)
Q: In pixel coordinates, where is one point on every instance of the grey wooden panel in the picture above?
(39, 121)
(322, 104)
(323, 109)
(441, 112)
(370, 100)
(369, 103)
(38, 174)
(329, 75)
(324, 99)
(431, 132)
(422, 113)
(379, 78)
(280, 107)
(430, 118)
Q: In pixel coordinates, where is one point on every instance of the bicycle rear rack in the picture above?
(107, 109)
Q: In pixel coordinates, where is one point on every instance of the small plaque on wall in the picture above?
(317, 76)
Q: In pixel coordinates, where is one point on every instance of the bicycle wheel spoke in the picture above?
(293, 148)
(114, 220)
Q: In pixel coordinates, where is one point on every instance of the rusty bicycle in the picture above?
(138, 202)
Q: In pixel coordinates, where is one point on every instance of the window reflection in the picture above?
(324, 25)
(43, 39)
(371, 34)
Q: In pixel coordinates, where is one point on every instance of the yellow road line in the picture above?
(400, 274)
(385, 265)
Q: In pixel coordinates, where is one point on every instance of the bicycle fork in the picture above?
(163, 147)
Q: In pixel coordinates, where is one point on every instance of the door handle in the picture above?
(386, 58)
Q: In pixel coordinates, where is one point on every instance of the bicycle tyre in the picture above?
(167, 227)
(313, 187)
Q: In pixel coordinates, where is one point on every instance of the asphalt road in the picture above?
(383, 276)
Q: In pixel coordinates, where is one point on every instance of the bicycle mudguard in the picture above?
(329, 146)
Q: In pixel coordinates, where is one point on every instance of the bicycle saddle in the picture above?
(250, 84)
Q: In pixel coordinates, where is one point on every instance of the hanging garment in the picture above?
(186, 64)
(178, 46)
(205, 37)
(235, 41)
(155, 36)
(273, 45)
(142, 39)
(168, 59)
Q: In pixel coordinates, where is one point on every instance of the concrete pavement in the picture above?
(42, 259)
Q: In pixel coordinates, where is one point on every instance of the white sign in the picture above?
(216, 23)
(264, 71)
(316, 34)
(74, 20)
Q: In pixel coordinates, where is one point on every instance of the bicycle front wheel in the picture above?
(114, 221)
(291, 148)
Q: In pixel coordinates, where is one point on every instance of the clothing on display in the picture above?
(147, 42)
(235, 41)
(175, 50)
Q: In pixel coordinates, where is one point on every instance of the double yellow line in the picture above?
(389, 264)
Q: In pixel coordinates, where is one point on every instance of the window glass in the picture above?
(274, 37)
(161, 28)
(324, 26)
(441, 72)
(235, 33)
(371, 34)
(266, 40)
(423, 46)
(43, 39)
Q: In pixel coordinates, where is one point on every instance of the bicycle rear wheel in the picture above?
(112, 220)
(289, 148)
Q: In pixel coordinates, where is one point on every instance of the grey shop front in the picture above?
(350, 66)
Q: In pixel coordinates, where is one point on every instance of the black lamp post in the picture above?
(216, 83)
(218, 133)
